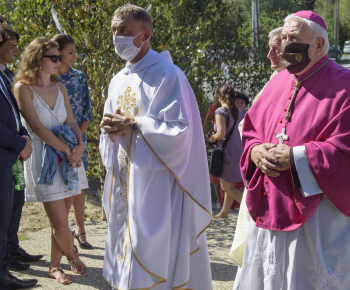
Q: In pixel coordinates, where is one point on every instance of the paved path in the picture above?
(220, 235)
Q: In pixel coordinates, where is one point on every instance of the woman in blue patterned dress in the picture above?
(79, 96)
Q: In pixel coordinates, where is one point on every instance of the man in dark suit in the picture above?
(15, 254)
(14, 144)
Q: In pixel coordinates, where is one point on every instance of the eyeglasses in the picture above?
(55, 58)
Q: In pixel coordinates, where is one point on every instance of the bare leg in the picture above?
(228, 201)
(57, 211)
(217, 191)
(79, 207)
(58, 217)
(231, 194)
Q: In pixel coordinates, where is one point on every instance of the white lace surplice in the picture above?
(314, 256)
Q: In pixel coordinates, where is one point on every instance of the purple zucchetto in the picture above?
(313, 16)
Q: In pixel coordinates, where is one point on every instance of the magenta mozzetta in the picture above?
(274, 203)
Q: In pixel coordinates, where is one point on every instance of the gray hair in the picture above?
(276, 32)
(138, 13)
(316, 29)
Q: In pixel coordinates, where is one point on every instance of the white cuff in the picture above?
(309, 185)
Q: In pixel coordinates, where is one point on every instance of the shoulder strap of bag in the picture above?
(228, 117)
(228, 136)
(45, 105)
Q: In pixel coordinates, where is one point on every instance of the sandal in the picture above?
(66, 279)
(74, 267)
(81, 244)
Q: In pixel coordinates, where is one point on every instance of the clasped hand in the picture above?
(116, 124)
(74, 156)
(27, 151)
(270, 158)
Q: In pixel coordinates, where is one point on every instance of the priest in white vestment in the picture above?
(296, 163)
(157, 193)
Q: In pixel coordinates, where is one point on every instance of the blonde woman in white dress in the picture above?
(44, 104)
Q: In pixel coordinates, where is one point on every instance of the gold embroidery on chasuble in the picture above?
(127, 101)
(123, 175)
(125, 245)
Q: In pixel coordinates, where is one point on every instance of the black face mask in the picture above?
(295, 56)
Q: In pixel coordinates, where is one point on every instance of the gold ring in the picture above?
(263, 167)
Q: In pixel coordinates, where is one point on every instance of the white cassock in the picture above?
(157, 193)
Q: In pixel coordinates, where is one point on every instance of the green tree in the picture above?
(209, 40)
(326, 8)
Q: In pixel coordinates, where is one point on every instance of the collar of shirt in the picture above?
(2, 67)
(8, 97)
(132, 67)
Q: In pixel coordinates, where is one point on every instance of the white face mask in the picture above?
(124, 46)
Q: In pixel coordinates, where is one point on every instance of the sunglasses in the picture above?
(55, 58)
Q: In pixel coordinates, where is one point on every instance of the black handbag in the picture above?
(216, 155)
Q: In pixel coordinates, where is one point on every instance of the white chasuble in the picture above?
(156, 194)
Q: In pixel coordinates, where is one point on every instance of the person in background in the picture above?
(79, 97)
(44, 105)
(208, 126)
(241, 101)
(225, 117)
(15, 254)
(14, 143)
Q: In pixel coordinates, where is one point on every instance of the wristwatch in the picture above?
(134, 127)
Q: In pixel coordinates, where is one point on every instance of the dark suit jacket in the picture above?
(11, 142)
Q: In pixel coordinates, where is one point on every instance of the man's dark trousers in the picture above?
(6, 201)
(12, 234)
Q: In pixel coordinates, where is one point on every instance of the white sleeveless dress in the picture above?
(32, 167)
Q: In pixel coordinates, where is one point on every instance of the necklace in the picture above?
(283, 136)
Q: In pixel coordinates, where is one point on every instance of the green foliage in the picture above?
(22, 238)
(326, 9)
(209, 40)
(203, 36)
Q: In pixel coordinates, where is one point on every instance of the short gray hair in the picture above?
(316, 29)
(276, 32)
(137, 12)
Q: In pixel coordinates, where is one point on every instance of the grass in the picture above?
(23, 238)
(344, 61)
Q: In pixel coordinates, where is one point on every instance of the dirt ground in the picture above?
(34, 217)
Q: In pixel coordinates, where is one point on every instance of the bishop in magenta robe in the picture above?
(300, 227)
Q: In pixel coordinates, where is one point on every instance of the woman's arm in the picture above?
(78, 150)
(220, 129)
(84, 125)
(86, 103)
(24, 97)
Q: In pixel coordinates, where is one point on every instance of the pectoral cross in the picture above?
(282, 136)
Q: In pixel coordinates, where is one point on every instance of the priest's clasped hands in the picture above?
(271, 158)
(116, 124)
